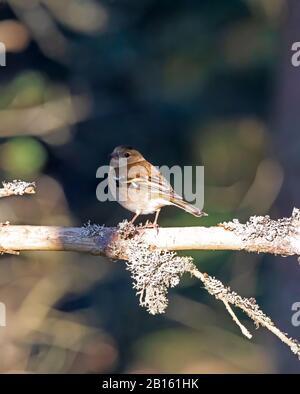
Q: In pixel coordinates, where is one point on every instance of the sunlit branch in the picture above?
(150, 258)
(260, 234)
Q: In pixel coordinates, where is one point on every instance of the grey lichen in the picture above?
(266, 232)
(248, 305)
(265, 227)
(127, 229)
(153, 271)
(219, 291)
(18, 188)
(92, 230)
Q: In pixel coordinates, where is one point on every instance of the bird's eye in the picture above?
(126, 154)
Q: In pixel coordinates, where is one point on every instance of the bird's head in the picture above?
(125, 154)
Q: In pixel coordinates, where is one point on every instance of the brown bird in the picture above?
(140, 187)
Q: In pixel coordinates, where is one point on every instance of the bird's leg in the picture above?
(155, 220)
(134, 218)
(154, 224)
(156, 217)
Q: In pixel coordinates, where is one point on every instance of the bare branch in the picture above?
(248, 305)
(236, 320)
(154, 271)
(155, 268)
(260, 234)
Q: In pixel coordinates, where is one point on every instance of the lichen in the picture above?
(17, 187)
(219, 291)
(92, 230)
(153, 271)
(263, 227)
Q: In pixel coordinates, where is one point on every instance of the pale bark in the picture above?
(259, 234)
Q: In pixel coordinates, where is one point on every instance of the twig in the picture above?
(236, 320)
(14, 188)
(17, 188)
(249, 306)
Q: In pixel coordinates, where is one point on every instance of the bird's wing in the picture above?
(154, 182)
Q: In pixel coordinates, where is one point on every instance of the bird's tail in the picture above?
(187, 207)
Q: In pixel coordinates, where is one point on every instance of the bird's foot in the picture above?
(149, 224)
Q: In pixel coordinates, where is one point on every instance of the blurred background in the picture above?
(188, 83)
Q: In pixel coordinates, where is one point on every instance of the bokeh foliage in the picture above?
(186, 82)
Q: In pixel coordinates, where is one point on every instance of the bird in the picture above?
(140, 187)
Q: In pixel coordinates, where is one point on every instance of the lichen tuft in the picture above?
(153, 272)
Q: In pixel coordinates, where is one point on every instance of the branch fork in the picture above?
(151, 257)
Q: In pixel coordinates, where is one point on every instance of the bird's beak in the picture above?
(113, 155)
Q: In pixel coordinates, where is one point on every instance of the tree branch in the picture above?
(260, 234)
(154, 269)
(17, 188)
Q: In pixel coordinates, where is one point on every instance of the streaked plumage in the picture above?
(142, 189)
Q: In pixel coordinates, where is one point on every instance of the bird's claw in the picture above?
(149, 224)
